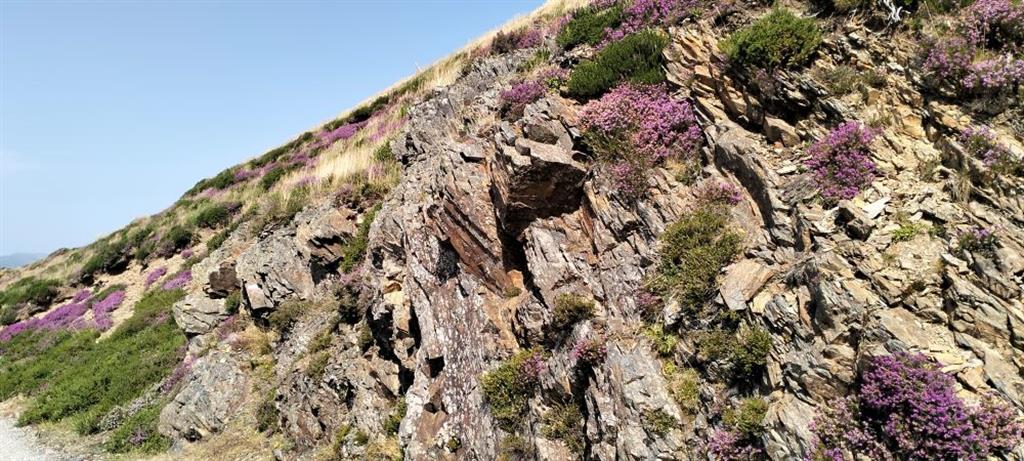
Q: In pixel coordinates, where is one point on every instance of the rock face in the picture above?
(214, 389)
(197, 314)
(494, 220)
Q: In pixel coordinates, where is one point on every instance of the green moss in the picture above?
(588, 26)
(692, 253)
(565, 422)
(636, 58)
(508, 389)
(569, 310)
(658, 422)
(747, 417)
(779, 39)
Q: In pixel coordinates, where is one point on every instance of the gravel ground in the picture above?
(17, 444)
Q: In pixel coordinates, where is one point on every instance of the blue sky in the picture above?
(111, 110)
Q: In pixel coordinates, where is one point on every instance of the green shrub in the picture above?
(75, 375)
(570, 309)
(515, 448)
(272, 177)
(636, 58)
(212, 216)
(394, 420)
(352, 254)
(750, 353)
(509, 388)
(349, 308)
(693, 251)
(232, 302)
(383, 153)
(266, 413)
(317, 366)
(588, 26)
(565, 422)
(138, 433)
(176, 239)
(282, 318)
(684, 386)
(658, 421)
(779, 39)
(40, 292)
(453, 444)
(664, 342)
(748, 417)
(218, 239)
(107, 258)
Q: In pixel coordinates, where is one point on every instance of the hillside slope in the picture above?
(636, 230)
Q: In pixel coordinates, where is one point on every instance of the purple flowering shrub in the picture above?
(978, 240)
(514, 100)
(178, 281)
(641, 14)
(634, 128)
(155, 275)
(61, 318)
(589, 353)
(553, 77)
(907, 409)
(101, 309)
(328, 137)
(984, 55)
(980, 142)
(509, 387)
(726, 445)
(841, 163)
(719, 194)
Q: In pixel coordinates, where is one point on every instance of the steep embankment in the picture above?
(643, 230)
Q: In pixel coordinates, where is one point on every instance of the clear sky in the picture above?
(111, 110)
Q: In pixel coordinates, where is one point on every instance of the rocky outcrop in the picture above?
(198, 314)
(211, 394)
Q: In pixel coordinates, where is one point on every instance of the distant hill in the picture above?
(19, 259)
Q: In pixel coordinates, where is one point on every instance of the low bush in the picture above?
(355, 249)
(978, 240)
(658, 421)
(569, 310)
(233, 302)
(394, 419)
(267, 413)
(176, 238)
(317, 366)
(565, 422)
(779, 39)
(634, 128)
(40, 292)
(841, 163)
(588, 353)
(515, 99)
(588, 26)
(106, 258)
(691, 254)
(212, 216)
(664, 342)
(509, 387)
(906, 407)
(76, 375)
(286, 314)
(272, 177)
(980, 55)
(747, 418)
(749, 354)
(684, 386)
(982, 143)
(636, 58)
(139, 434)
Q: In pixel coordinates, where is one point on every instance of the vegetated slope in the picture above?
(631, 230)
